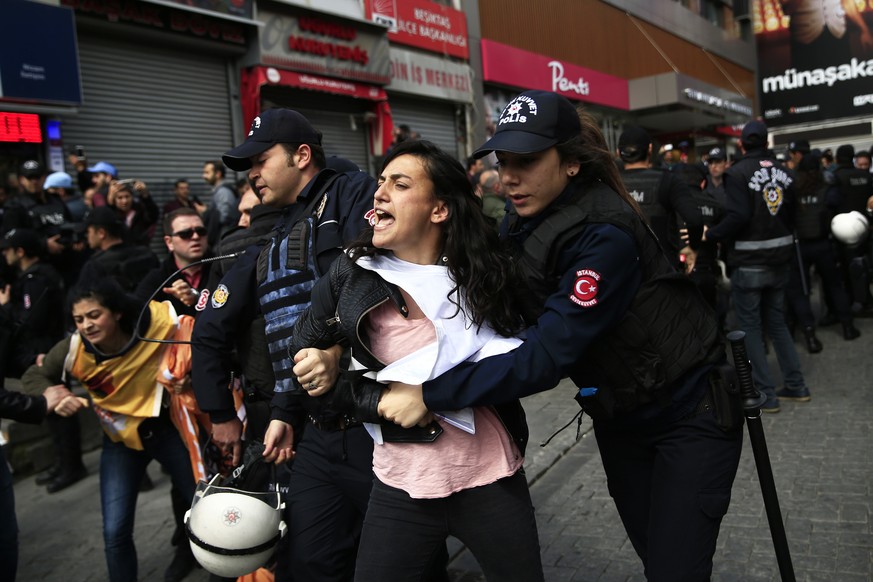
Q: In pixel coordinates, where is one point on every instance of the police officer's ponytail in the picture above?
(589, 149)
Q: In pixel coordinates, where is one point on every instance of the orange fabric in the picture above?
(259, 575)
(184, 412)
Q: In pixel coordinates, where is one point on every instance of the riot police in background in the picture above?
(33, 307)
(856, 188)
(702, 265)
(661, 195)
(757, 234)
(796, 150)
(817, 200)
(45, 212)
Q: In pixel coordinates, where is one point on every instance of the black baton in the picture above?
(752, 402)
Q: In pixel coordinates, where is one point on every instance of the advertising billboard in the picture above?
(815, 59)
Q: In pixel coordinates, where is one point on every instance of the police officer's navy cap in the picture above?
(31, 169)
(799, 145)
(104, 216)
(23, 238)
(269, 128)
(754, 132)
(845, 153)
(532, 122)
(717, 154)
(634, 140)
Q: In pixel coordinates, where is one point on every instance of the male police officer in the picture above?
(759, 206)
(661, 195)
(332, 472)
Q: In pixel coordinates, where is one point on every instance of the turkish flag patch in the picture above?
(585, 288)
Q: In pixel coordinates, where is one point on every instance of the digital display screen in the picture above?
(20, 127)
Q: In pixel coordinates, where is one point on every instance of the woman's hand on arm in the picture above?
(279, 442)
(70, 405)
(403, 404)
(54, 395)
(317, 370)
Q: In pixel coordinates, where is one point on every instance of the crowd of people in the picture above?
(377, 334)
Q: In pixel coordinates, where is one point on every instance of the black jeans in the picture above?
(671, 484)
(330, 483)
(496, 522)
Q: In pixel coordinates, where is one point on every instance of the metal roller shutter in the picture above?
(433, 120)
(156, 114)
(339, 119)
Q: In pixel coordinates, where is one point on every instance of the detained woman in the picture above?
(120, 376)
(425, 289)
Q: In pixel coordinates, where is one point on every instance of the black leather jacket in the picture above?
(340, 302)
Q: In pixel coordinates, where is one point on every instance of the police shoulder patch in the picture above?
(586, 288)
(220, 296)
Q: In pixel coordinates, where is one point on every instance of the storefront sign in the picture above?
(273, 76)
(419, 74)
(162, 18)
(511, 66)
(696, 93)
(324, 46)
(239, 8)
(815, 69)
(698, 96)
(31, 70)
(422, 24)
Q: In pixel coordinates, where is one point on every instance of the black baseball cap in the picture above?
(845, 153)
(799, 145)
(634, 142)
(31, 169)
(23, 238)
(269, 128)
(717, 154)
(106, 217)
(532, 122)
(754, 133)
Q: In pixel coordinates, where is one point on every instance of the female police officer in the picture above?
(633, 334)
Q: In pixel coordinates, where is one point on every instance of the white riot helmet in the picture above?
(850, 228)
(233, 532)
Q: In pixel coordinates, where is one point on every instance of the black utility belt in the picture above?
(333, 423)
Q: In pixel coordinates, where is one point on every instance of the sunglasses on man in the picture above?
(189, 233)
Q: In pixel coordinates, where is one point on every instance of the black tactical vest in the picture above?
(810, 220)
(668, 329)
(856, 186)
(287, 271)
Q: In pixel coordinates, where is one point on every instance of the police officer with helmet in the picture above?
(332, 476)
(633, 334)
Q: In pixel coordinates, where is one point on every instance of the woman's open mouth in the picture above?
(381, 219)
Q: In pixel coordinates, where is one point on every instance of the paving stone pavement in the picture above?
(822, 463)
(823, 468)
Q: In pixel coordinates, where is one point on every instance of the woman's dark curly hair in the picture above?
(483, 273)
(108, 293)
